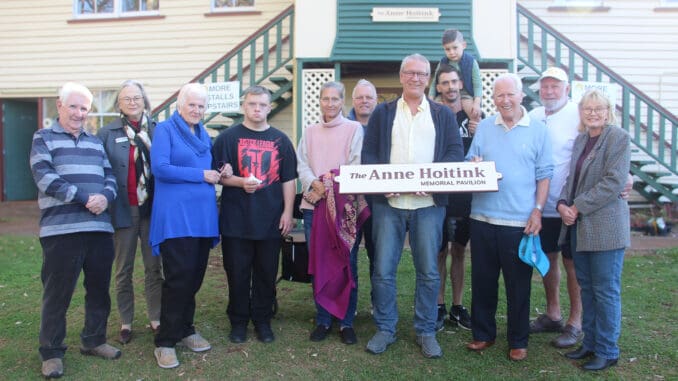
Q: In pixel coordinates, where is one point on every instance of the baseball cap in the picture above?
(530, 252)
(554, 72)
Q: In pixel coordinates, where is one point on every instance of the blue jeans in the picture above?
(599, 276)
(388, 230)
(323, 317)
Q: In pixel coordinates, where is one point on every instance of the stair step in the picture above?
(668, 180)
(280, 81)
(655, 168)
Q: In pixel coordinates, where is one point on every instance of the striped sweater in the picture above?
(66, 171)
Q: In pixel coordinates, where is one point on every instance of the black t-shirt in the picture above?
(269, 156)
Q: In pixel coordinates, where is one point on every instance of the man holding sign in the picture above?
(411, 129)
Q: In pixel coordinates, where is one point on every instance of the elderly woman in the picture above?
(324, 147)
(127, 141)
(184, 219)
(596, 221)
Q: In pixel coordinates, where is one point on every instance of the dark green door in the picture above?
(19, 122)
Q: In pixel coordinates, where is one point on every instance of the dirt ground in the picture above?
(22, 217)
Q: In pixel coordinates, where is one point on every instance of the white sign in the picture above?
(381, 14)
(427, 177)
(223, 97)
(609, 89)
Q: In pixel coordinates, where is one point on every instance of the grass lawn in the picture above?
(648, 341)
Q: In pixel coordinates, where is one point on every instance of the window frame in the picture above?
(117, 12)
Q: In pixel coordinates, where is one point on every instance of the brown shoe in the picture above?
(478, 346)
(518, 354)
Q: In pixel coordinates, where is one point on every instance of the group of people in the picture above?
(564, 170)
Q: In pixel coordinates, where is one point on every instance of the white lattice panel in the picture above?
(312, 80)
(487, 77)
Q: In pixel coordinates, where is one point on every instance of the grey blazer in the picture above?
(116, 144)
(603, 222)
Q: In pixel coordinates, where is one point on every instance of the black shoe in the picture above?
(599, 363)
(460, 316)
(348, 336)
(264, 332)
(578, 354)
(238, 333)
(320, 333)
(440, 321)
(125, 336)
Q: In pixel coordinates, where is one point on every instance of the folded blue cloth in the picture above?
(531, 253)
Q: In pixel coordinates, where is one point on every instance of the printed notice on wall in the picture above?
(427, 177)
(610, 90)
(223, 97)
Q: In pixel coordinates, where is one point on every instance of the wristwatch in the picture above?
(539, 207)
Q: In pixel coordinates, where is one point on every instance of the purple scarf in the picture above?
(336, 221)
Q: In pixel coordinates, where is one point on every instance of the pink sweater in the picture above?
(326, 146)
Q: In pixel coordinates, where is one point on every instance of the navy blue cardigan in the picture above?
(377, 141)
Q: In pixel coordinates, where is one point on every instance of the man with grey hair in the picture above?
(561, 117)
(410, 129)
(75, 187)
(364, 101)
(521, 149)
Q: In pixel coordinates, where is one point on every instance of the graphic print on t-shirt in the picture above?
(259, 158)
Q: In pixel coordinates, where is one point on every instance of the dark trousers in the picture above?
(251, 268)
(366, 231)
(63, 257)
(184, 261)
(494, 248)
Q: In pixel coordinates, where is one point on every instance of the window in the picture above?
(102, 112)
(669, 3)
(232, 5)
(114, 8)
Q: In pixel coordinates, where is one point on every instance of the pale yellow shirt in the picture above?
(412, 141)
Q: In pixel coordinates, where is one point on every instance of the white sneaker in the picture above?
(166, 357)
(196, 343)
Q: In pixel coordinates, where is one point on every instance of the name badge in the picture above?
(121, 140)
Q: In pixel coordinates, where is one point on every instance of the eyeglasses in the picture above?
(136, 99)
(597, 110)
(412, 74)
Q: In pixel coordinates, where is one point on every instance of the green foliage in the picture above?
(649, 348)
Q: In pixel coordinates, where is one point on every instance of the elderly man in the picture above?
(411, 129)
(521, 148)
(456, 226)
(256, 210)
(75, 186)
(364, 102)
(561, 117)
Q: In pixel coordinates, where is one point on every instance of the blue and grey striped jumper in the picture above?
(66, 171)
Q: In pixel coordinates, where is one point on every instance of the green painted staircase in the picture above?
(653, 129)
(262, 59)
